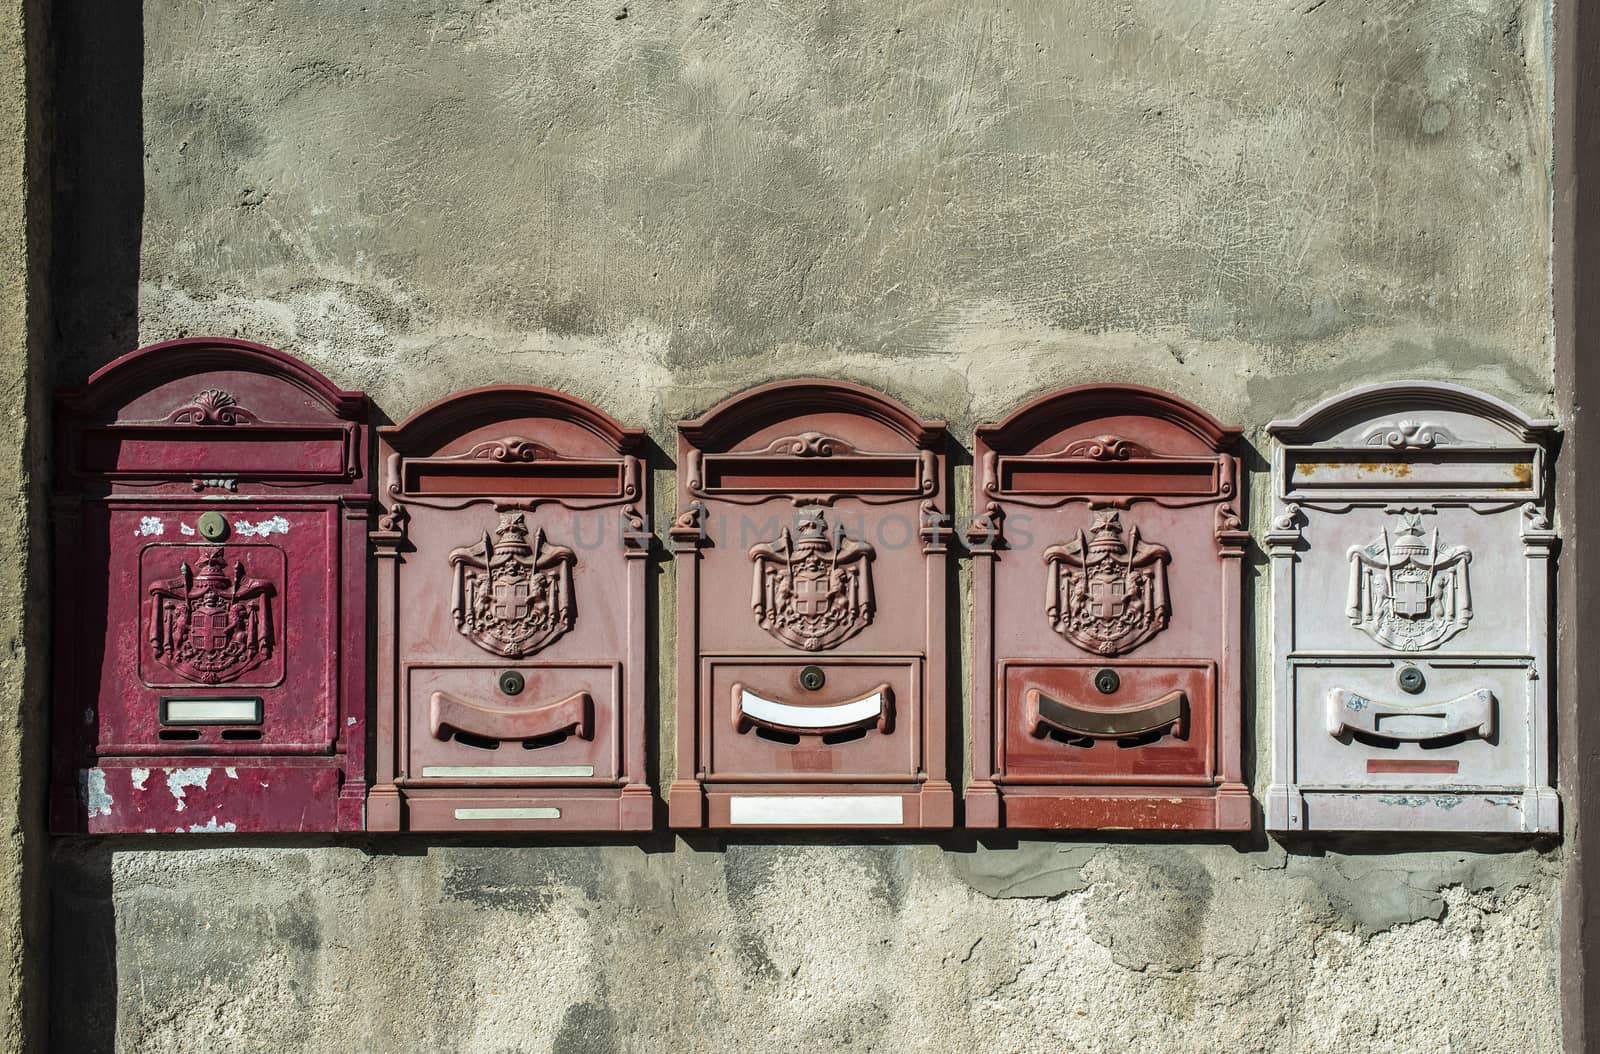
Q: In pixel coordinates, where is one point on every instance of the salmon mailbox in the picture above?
(810, 543)
(1108, 547)
(1411, 559)
(211, 504)
(511, 556)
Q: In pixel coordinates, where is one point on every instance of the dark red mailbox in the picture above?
(810, 544)
(1107, 574)
(511, 571)
(212, 503)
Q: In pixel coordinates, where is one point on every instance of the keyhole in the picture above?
(1411, 680)
(511, 682)
(213, 526)
(1107, 681)
(812, 678)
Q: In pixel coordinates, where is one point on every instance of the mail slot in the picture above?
(510, 550)
(1107, 543)
(810, 545)
(212, 500)
(1411, 549)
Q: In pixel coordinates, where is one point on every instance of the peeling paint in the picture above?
(211, 826)
(138, 777)
(177, 779)
(246, 529)
(185, 530)
(96, 800)
(231, 772)
(149, 525)
(1417, 801)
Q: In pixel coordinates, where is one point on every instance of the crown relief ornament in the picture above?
(813, 586)
(1107, 588)
(1409, 592)
(511, 595)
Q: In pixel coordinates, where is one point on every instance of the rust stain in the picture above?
(1523, 471)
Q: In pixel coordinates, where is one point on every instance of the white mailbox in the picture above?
(1411, 558)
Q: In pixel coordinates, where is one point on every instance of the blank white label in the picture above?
(509, 814)
(212, 711)
(505, 771)
(817, 809)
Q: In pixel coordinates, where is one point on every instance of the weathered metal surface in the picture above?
(212, 499)
(1411, 549)
(511, 574)
(1107, 549)
(811, 542)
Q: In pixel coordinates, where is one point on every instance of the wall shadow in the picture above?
(96, 209)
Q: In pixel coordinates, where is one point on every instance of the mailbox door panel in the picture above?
(766, 721)
(560, 724)
(1155, 723)
(1464, 723)
(228, 637)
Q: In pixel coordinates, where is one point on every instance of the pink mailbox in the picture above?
(511, 565)
(1411, 568)
(810, 544)
(211, 502)
(1106, 644)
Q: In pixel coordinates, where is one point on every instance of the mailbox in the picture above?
(211, 503)
(511, 551)
(1411, 548)
(1107, 548)
(810, 546)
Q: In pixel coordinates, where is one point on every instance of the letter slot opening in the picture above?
(231, 711)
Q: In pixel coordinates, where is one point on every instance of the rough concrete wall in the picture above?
(24, 218)
(1254, 203)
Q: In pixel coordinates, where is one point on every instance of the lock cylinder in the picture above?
(1107, 682)
(1411, 680)
(512, 682)
(812, 678)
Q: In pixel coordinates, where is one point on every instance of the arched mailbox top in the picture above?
(123, 383)
(750, 415)
(1040, 425)
(516, 442)
(455, 417)
(1393, 414)
(211, 413)
(1418, 440)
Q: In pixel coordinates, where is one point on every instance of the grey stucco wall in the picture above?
(1253, 203)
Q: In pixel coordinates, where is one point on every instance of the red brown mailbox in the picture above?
(511, 570)
(1107, 574)
(810, 543)
(212, 503)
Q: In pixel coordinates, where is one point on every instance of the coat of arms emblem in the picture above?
(512, 595)
(1408, 592)
(212, 623)
(1106, 592)
(813, 587)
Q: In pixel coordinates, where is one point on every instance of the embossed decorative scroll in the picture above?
(1408, 435)
(1407, 591)
(211, 623)
(1107, 593)
(813, 586)
(512, 596)
(212, 407)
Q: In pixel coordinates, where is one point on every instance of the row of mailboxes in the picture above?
(222, 523)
